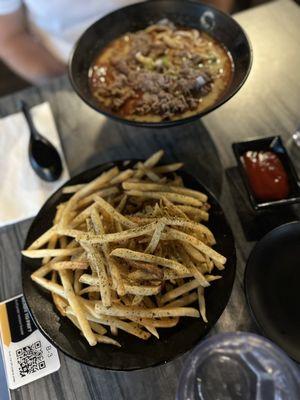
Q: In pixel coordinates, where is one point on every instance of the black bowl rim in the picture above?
(247, 273)
(262, 206)
(105, 166)
(162, 124)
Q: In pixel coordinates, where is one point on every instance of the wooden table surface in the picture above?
(267, 104)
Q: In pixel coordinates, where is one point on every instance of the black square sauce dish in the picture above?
(267, 172)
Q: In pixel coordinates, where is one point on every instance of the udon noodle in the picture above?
(163, 72)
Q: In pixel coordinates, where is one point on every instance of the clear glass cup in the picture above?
(238, 366)
(293, 147)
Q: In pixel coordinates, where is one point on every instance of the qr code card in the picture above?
(27, 354)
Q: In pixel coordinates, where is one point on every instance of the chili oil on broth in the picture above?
(160, 73)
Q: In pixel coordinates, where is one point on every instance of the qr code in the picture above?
(30, 359)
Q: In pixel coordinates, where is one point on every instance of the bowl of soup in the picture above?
(160, 63)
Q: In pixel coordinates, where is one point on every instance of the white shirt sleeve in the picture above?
(9, 6)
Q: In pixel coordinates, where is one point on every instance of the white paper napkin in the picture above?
(22, 192)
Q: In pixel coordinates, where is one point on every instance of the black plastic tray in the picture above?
(274, 144)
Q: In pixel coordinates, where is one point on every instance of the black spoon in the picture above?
(43, 156)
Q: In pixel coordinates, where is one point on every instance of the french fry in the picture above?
(123, 176)
(73, 233)
(131, 328)
(98, 328)
(188, 262)
(142, 170)
(165, 169)
(156, 187)
(198, 275)
(211, 278)
(51, 286)
(112, 264)
(162, 323)
(178, 235)
(141, 275)
(143, 322)
(77, 308)
(77, 283)
(197, 227)
(53, 240)
(60, 303)
(137, 300)
(89, 280)
(219, 265)
(144, 290)
(87, 189)
(151, 175)
(104, 205)
(72, 188)
(51, 245)
(138, 290)
(45, 269)
(114, 331)
(174, 209)
(89, 289)
(194, 253)
(43, 239)
(209, 264)
(81, 217)
(51, 252)
(194, 212)
(179, 291)
(116, 237)
(60, 265)
(139, 312)
(107, 340)
(173, 221)
(155, 238)
(174, 197)
(138, 256)
(184, 300)
(98, 266)
(122, 203)
(154, 159)
(101, 193)
(149, 268)
(171, 275)
(149, 163)
(42, 271)
(202, 306)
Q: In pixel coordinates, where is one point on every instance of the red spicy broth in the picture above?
(160, 73)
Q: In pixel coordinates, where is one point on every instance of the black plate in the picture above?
(135, 353)
(272, 279)
(274, 144)
(192, 14)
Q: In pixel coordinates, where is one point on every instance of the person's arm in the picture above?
(23, 53)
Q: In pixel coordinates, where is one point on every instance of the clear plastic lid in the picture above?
(238, 366)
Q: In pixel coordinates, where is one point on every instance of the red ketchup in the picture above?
(267, 176)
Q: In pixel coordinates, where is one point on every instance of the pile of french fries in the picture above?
(128, 251)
